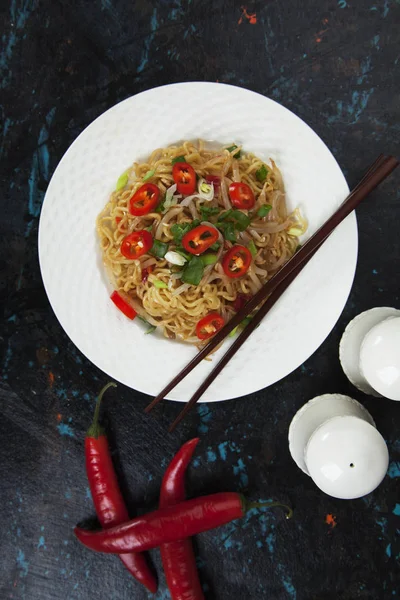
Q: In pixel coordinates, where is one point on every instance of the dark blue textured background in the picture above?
(336, 65)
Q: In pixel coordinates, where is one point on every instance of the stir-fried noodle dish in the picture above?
(189, 235)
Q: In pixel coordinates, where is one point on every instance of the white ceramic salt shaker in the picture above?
(376, 370)
(333, 439)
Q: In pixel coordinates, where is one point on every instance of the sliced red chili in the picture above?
(215, 180)
(146, 272)
(209, 325)
(123, 305)
(199, 239)
(241, 301)
(241, 195)
(237, 261)
(144, 200)
(136, 244)
(184, 177)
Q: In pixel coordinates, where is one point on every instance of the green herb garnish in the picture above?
(208, 259)
(231, 149)
(161, 205)
(264, 210)
(122, 181)
(241, 221)
(177, 159)
(193, 271)
(148, 175)
(161, 285)
(252, 248)
(262, 173)
(228, 231)
(215, 247)
(178, 230)
(209, 211)
(159, 249)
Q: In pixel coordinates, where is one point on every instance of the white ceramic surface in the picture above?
(313, 414)
(70, 258)
(380, 358)
(350, 344)
(347, 457)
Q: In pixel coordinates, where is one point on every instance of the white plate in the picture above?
(70, 259)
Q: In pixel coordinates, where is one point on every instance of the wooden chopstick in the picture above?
(256, 320)
(380, 169)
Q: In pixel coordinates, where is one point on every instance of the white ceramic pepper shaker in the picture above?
(370, 352)
(334, 440)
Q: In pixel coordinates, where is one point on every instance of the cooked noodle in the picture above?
(178, 307)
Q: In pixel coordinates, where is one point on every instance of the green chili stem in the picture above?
(249, 505)
(95, 430)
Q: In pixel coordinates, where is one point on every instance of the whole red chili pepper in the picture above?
(178, 557)
(171, 523)
(109, 504)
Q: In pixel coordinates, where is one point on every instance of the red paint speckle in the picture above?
(59, 417)
(330, 520)
(51, 379)
(252, 18)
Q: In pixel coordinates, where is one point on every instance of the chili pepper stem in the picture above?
(249, 505)
(95, 430)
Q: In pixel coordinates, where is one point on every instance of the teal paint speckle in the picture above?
(342, 4)
(287, 584)
(68, 494)
(394, 470)
(41, 543)
(65, 429)
(205, 417)
(211, 456)
(88, 494)
(374, 272)
(396, 510)
(389, 550)
(148, 41)
(241, 470)
(22, 563)
(375, 42)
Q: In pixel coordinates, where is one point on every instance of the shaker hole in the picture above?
(352, 465)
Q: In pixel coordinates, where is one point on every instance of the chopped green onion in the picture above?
(183, 253)
(252, 248)
(241, 325)
(150, 329)
(264, 210)
(262, 173)
(296, 231)
(231, 149)
(209, 259)
(159, 249)
(161, 285)
(215, 247)
(148, 175)
(177, 159)
(193, 271)
(122, 181)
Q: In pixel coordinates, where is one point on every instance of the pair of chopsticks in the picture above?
(274, 288)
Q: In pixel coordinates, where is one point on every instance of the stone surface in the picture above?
(335, 64)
